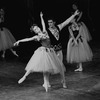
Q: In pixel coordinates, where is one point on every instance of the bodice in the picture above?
(75, 33)
(45, 42)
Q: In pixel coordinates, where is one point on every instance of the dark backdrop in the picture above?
(20, 14)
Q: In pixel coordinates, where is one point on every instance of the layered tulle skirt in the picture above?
(6, 39)
(45, 60)
(78, 53)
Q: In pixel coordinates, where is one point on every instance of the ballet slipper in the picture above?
(14, 52)
(79, 69)
(64, 84)
(21, 80)
(46, 87)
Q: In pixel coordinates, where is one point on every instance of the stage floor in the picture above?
(81, 85)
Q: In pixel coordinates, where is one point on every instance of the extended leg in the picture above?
(14, 52)
(24, 77)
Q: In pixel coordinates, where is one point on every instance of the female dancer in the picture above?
(6, 38)
(44, 58)
(78, 50)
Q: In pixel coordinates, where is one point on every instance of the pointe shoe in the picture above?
(49, 85)
(3, 56)
(21, 80)
(46, 87)
(14, 52)
(64, 84)
(79, 69)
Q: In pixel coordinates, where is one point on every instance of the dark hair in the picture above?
(33, 26)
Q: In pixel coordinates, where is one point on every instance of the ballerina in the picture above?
(44, 58)
(78, 49)
(6, 38)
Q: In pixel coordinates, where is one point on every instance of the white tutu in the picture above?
(45, 60)
(78, 53)
(6, 39)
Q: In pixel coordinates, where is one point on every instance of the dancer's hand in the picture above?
(75, 42)
(16, 43)
(76, 12)
(41, 14)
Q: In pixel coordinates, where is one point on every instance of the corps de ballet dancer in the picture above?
(6, 38)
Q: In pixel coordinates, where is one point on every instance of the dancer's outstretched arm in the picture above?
(67, 21)
(27, 39)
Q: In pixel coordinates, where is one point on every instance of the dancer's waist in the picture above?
(57, 47)
(47, 49)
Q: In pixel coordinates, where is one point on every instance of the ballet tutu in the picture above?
(45, 60)
(80, 52)
(6, 39)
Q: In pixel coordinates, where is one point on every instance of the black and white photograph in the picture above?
(49, 50)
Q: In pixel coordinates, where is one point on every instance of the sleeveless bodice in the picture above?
(45, 42)
(75, 33)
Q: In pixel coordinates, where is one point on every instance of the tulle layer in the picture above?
(6, 39)
(78, 53)
(45, 60)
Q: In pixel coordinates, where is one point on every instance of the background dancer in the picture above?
(78, 49)
(6, 38)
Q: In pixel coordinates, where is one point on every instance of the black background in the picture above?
(20, 14)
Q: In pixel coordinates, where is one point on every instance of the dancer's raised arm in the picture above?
(67, 21)
(80, 15)
(42, 22)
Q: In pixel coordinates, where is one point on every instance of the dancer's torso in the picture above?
(55, 38)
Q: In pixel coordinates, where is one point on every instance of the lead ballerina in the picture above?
(44, 58)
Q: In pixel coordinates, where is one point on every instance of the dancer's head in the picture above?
(1, 11)
(75, 6)
(51, 22)
(35, 28)
(74, 23)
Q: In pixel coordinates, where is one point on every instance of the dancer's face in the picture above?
(51, 23)
(74, 7)
(36, 29)
(74, 25)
